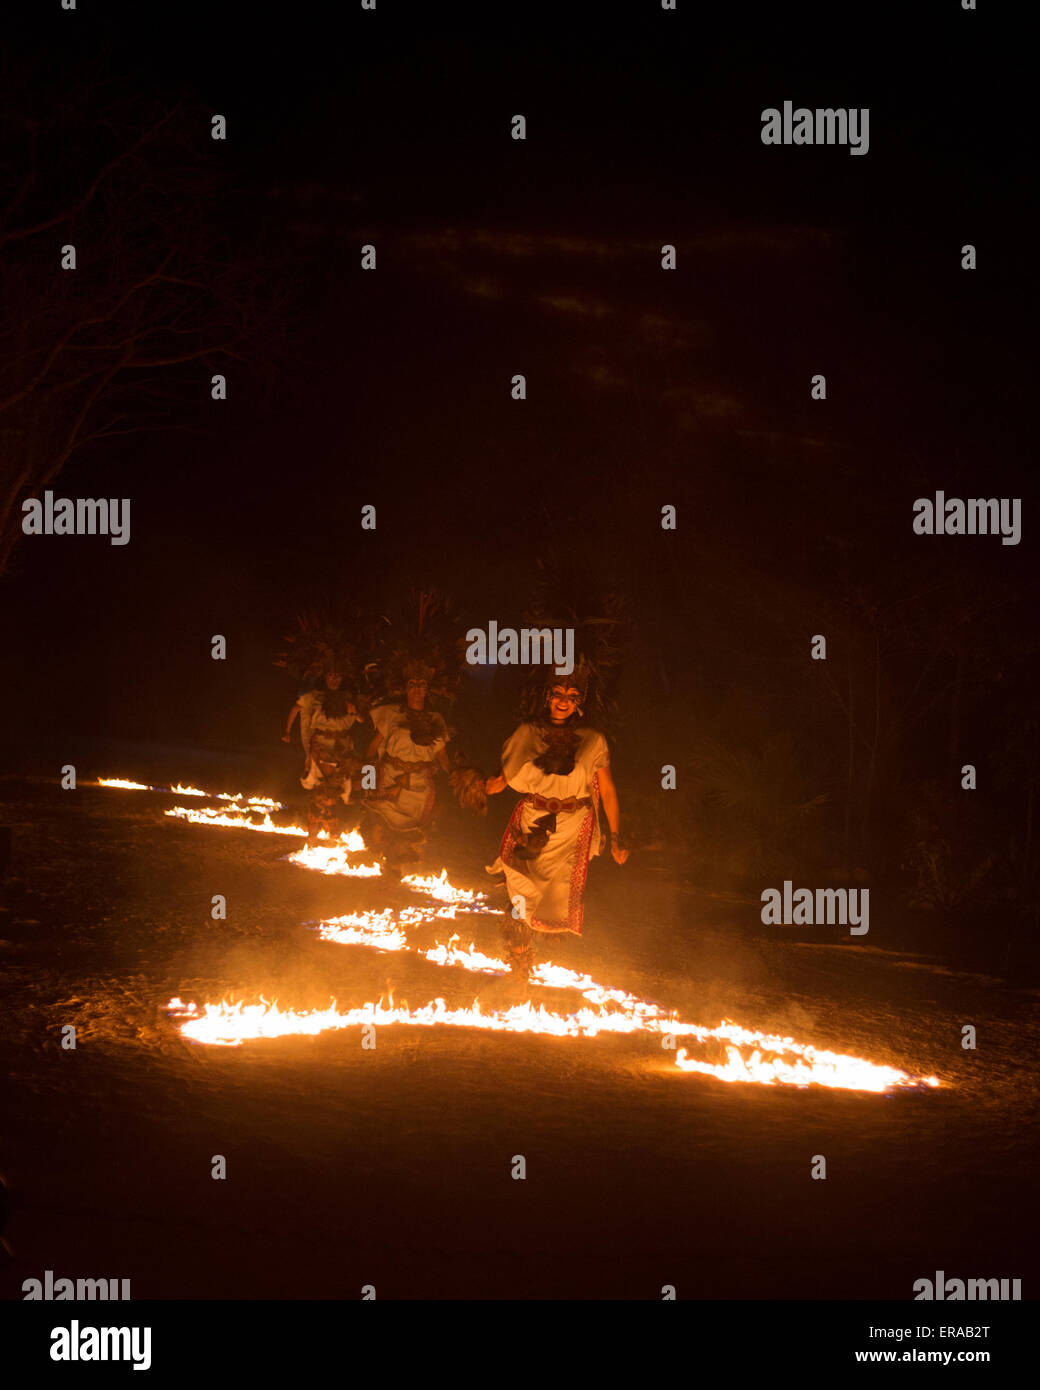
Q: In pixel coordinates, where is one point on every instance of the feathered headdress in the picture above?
(421, 640)
(322, 643)
(566, 597)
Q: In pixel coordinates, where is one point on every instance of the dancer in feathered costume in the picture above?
(421, 665)
(321, 647)
(561, 766)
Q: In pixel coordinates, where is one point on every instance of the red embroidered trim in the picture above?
(579, 873)
(512, 832)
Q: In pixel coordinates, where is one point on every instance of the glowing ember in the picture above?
(413, 916)
(377, 929)
(256, 803)
(446, 892)
(769, 1059)
(794, 1064)
(449, 953)
(229, 1025)
(237, 817)
(364, 929)
(328, 858)
(332, 859)
(751, 1057)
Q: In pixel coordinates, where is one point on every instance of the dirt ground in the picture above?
(392, 1167)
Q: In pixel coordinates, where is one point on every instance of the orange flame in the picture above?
(445, 892)
(230, 1024)
(332, 858)
(257, 803)
(767, 1059)
(234, 816)
(761, 1058)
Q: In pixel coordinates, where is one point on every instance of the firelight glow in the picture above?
(751, 1057)
(772, 1060)
(256, 803)
(443, 891)
(332, 859)
(762, 1058)
(235, 816)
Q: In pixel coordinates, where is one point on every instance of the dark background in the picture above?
(644, 388)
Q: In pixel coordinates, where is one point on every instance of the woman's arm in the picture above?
(608, 795)
(292, 720)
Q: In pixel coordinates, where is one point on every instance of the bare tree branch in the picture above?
(92, 189)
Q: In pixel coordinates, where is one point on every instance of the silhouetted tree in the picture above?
(169, 286)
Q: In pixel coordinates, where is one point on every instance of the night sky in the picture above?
(496, 256)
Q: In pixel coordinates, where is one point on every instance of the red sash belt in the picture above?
(554, 804)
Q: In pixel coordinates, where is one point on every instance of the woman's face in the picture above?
(563, 701)
(333, 680)
(416, 694)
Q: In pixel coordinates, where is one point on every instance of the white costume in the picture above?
(405, 796)
(324, 742)
(552, 881)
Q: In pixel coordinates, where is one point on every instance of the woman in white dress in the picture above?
(326, 716)
(410, 742)
(562, 770)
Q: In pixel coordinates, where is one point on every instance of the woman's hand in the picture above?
(620, 854)
(494, 785)
(287, 737)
